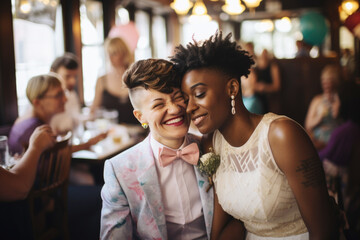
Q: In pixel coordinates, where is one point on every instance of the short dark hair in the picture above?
(217, 53)
(157, 74)
(68, 61)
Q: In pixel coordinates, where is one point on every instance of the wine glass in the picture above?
(4, 151)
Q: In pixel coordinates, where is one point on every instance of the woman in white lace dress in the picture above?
(270, 176)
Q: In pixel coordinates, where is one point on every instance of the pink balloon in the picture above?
(128, 32)
(352, 21)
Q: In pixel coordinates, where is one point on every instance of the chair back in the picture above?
(48, 198)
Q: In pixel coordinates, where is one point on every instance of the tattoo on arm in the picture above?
(311, 170)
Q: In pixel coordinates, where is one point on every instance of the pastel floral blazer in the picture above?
(132, 205)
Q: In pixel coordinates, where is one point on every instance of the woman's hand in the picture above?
(42, 138)
(96, 139)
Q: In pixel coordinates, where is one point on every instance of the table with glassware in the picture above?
(120, 137)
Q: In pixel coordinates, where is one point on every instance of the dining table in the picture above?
(119, 138)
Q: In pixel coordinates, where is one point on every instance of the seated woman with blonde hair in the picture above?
(47, 96)
(322, 115)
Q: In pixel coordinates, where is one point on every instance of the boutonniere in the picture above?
(208, 164)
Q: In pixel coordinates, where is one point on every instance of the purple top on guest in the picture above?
(338, 149)
(20, 134)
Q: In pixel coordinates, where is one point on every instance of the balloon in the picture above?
(313, 27)
(353, 23)
(128, 32)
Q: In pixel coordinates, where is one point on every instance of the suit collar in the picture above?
(207, 199)
(149, 183)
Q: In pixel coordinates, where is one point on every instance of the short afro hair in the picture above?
(216, 52)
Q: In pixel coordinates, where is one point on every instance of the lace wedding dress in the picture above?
(252, 188)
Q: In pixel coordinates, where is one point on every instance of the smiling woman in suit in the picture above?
(153, 190)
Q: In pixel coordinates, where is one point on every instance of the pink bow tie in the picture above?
(190, 154)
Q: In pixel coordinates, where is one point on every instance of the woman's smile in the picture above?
(176, 121)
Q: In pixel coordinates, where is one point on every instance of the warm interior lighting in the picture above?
(349, 6)
(181, 7)
(199, 18)
(233, 7)
(342, 14)
(25, 6)
(283, 25)
(265, 25)
(252, 3)
(199, 8)
(199, 13)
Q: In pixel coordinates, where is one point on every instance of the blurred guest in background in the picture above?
(47, 96)
(344, 143)
(322, 115)
(303, 50)
(347, 61)
(267, 80)
(342, 154)
(67, 67)
(251, 100)
(16, 183)
(110, 92)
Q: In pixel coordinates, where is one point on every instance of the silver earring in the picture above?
(233, 105)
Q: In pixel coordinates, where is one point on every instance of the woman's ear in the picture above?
(233, 87)
(35, 102)
(137, 113)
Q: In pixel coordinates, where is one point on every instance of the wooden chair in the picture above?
(48, 198)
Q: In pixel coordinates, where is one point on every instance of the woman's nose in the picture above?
(191, 107)
(174, 108)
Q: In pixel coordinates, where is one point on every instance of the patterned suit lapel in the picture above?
(150, 185)
(207, 199)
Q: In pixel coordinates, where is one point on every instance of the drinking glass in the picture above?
(4, 151)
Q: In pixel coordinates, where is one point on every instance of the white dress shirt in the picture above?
(67, 120)
(181, 197)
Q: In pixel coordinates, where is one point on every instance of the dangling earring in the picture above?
(145, 125)
(233, 105)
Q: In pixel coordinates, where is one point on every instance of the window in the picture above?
(159, 38)
(198, 30)
(142, 21)
(278, 36)
(38, 39)
(92, 38)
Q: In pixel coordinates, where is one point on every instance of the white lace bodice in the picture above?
(252, 188)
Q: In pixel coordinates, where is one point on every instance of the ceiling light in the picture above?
(252, 3)
(181, 7)
(233, 7)
(349, 6)
(199, 13)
